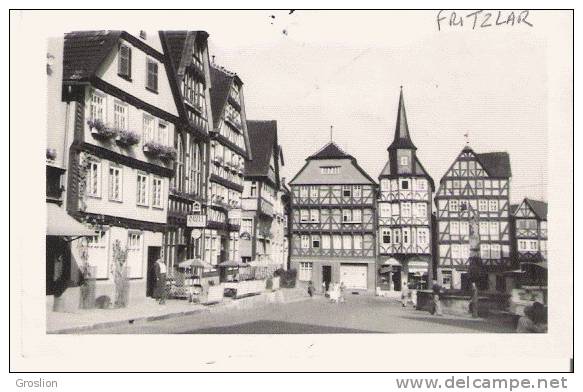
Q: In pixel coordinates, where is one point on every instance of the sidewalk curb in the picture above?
(145, 319)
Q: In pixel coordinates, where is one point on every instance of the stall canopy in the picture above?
(61, 224)
(194, 263)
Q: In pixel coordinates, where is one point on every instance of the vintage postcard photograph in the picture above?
(322, 176)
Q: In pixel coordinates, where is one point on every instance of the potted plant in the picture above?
(99, 129)
(168, 153)
(127, 138)
(51, 154)
(154, 149)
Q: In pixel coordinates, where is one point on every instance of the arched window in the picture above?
(179, 173)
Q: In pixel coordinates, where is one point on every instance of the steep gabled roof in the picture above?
(84, 51)
(418, 170)
(221, 82)
(263, 142)
(330, 151)
(513, 208)
(402, 137)
(538, 207)
(496, 164)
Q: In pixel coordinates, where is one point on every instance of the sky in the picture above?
(310, 70)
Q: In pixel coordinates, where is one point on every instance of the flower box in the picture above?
(160, 151)
(127, 138)
(99, 129)
(51, 154)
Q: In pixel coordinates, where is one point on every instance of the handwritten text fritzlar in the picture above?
(482, 19)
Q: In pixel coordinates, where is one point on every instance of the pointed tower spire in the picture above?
(402, 138)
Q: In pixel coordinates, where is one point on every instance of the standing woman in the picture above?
(404, 294)
(161, 281)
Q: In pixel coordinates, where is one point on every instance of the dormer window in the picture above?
(124, 61)
(404, 161)
(329, 170)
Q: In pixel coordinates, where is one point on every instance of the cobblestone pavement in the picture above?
(359, 314)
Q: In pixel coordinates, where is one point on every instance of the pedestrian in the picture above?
(342, 288)
(310, 289)
(404, 294)
(161, 281)
(436, 301)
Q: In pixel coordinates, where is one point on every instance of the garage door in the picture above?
(354, 275)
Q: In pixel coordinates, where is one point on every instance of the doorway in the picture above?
(153, 256)
(396, 278)
(326, 276)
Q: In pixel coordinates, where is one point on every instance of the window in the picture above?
(493, 205)
(454, 205)
(485, 251)
(357, 216)
(313, 192)
(522, 245)
(304, 215)
(316, 241)
(97, 240)
(124, 61)
(421, 210)
(479, 184)
(329, 170)
(406, 210)
(494, 229)
(325, 241)
(404, 184)
(422, 236)
(152, 74)
(157, 192)
(421, 184)
(495, 251)
(142, 190)
(446, 279)
(346, 216)
(305, 241)
(357, 241)
(303, 191)
(346, 242)
(386, 236)
(483, 205)
(385, 185)
(464, 228)
(484, 228)
(94, 177)
(346, 191)
(465, 251)
(120, 115)
(455, 251)
(162, 136)
(404, 161)
(314, 216)
(253, 188)
(134, 255)
(406, 236)
(454, 228)
(357, 191)
(385, 210)
(148, 128)
(247, 226)
(305, 274)
(97, 107)
(337, 242)
(115, 183)
(397, 236)
(534, 246)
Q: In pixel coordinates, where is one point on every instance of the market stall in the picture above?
(186, 280)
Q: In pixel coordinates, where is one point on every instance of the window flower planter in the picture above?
(99, 129)
(127, 138)
(51, 154)
(160, 151)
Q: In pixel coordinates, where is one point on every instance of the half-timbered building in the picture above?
(333, 221)
(404, 214)
(121, 114)
(476, 188)
(188, 63)
(228, 151)
(529, 225)
(260, 194)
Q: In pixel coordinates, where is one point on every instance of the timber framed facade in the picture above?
(333, 221)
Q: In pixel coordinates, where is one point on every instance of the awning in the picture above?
(392, 261)
(542, 264)
(232, 263)
(194, 263)
(61, 224)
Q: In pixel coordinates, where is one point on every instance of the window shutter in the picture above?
(129, 74)
(125, 61)
(152, 75)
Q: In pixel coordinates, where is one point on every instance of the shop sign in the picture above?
(196, 220)
(196, 207)
(196, 234)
